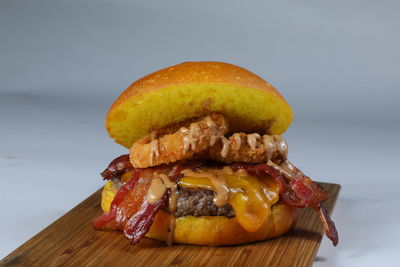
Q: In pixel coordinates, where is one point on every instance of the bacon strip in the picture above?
(260, 169)
(139, 224)
(303, 192)
(117, 167)
(121, 205)
(129, 211)
(329, 225)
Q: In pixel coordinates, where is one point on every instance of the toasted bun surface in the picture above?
(219, 231)
(193, 89)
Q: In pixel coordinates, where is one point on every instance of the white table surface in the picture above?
(52, 151)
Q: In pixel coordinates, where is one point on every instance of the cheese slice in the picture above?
(107, 195)
(251, 197)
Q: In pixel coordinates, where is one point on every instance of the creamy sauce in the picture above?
(225, 146)
(171, 229)
(252, 140)
(281, 146)
(173, 196)
(165, 179)
(217, 179)
(156, 191)
(192, 136)
(269, 145)
(195, 134)
(277, 144)
(158, 187)
(238, 140)
(213, 128)
(154, 152)
(284, 172)
(287, 166)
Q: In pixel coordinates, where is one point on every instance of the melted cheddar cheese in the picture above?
(107, 195)
(251, 197)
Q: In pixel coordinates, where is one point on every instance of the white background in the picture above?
(62, 64)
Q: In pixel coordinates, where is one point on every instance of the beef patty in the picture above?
(199, 202)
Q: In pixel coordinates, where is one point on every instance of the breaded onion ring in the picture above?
(186, 142)
(249, 148)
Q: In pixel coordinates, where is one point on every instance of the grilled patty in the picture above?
(195, 202)
(199, 202)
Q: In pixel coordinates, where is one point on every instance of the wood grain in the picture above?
(71, 241)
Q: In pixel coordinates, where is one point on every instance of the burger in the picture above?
(207, 163)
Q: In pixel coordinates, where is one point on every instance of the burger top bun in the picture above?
(193, 89)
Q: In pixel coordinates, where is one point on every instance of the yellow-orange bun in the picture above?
(193, 89)
(213, 230)
(219, 230)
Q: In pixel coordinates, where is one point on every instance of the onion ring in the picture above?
(240, 150)
(182, 144)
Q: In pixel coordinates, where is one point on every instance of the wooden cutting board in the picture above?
(71, 241)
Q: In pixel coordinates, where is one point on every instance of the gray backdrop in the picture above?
(62, 63)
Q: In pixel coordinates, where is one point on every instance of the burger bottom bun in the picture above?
(219, 230)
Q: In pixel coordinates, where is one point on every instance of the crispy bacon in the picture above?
(303, 192)
(139, 224)
(129, 211)
(124, 203)
(117, 167)
(260, 169)
(329, 225)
